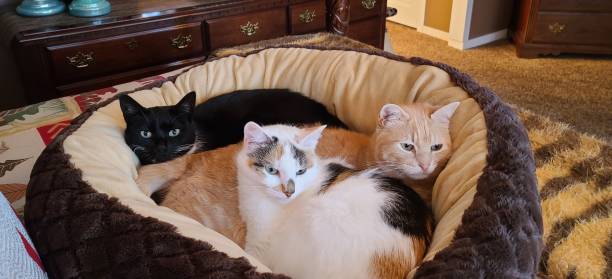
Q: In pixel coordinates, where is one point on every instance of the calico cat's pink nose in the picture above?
(288, 189)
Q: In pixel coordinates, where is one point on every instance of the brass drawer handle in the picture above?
(132, 44)
(80, 60)
(181, 41)
(368, 4)
(556, 28)
(249, 28)
(307, 16)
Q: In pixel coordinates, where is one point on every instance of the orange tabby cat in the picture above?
(411, 142)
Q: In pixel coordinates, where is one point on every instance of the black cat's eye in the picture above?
(271, 170)
(145, 134)
(174, 132)
(300, 172)
(407, 146)
(436, 147)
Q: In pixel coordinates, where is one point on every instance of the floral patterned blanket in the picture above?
(24, 133)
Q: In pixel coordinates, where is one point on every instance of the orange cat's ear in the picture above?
(309, 137)
(390, 114)
(254, 136)
(444, 113)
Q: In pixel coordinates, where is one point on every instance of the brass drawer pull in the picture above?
(132, 44)
(368, 4)
(249, 28)
(307, 16)
(80, 60)
(556, 28)
(181, 41)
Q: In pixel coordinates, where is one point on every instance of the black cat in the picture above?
(160, 134)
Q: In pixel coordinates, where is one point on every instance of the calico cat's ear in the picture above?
(129, 106)
(309, 137)
(186, 104)
(443, 114)
(389, 115)
(255, 136)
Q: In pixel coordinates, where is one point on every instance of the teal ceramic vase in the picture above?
(40, 7)
(89, 8)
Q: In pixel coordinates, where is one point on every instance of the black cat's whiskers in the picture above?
(137, 148)
(179, 150)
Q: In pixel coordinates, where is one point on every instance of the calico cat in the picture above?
(308, 218)
(160, 134)
(203, 186)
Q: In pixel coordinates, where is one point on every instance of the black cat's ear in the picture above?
(129, 106)
(186, 104)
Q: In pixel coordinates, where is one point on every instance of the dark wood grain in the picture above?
(338, 16)
(302, 25)
(597, 6)
(573, 28)
(366, 31)
(134, 40)
(227, 31)
(127, 52)
(361, 9)
(567, 26)
(114, 79)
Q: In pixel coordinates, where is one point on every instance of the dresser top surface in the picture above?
(122, 10)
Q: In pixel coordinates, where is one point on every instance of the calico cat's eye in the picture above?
(436, 147)
(271, 171)
(300, 172)
(407, 146)
(145, 134)
(174, 132)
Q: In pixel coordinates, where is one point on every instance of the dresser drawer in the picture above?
(367, 31)
(567, 28)
(307, 17)
(246, 28)
(576, 5)
(361, 9)
(74, 62)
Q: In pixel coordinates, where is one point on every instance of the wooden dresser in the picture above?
(557, 26)
(64, 55)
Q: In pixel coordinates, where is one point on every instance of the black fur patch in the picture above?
(262, 152)
(406, 211)
(159, 196)
(299, 155)
(334, 171)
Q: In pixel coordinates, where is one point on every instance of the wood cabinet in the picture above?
(64, 55)
(557, 26)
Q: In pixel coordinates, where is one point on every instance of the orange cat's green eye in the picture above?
(407, 146)
(436, 147)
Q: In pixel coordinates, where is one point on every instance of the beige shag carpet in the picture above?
(576, 89)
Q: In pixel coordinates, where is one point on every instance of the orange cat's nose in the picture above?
(423, 166)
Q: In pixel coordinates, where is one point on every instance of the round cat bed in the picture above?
(89, 219)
